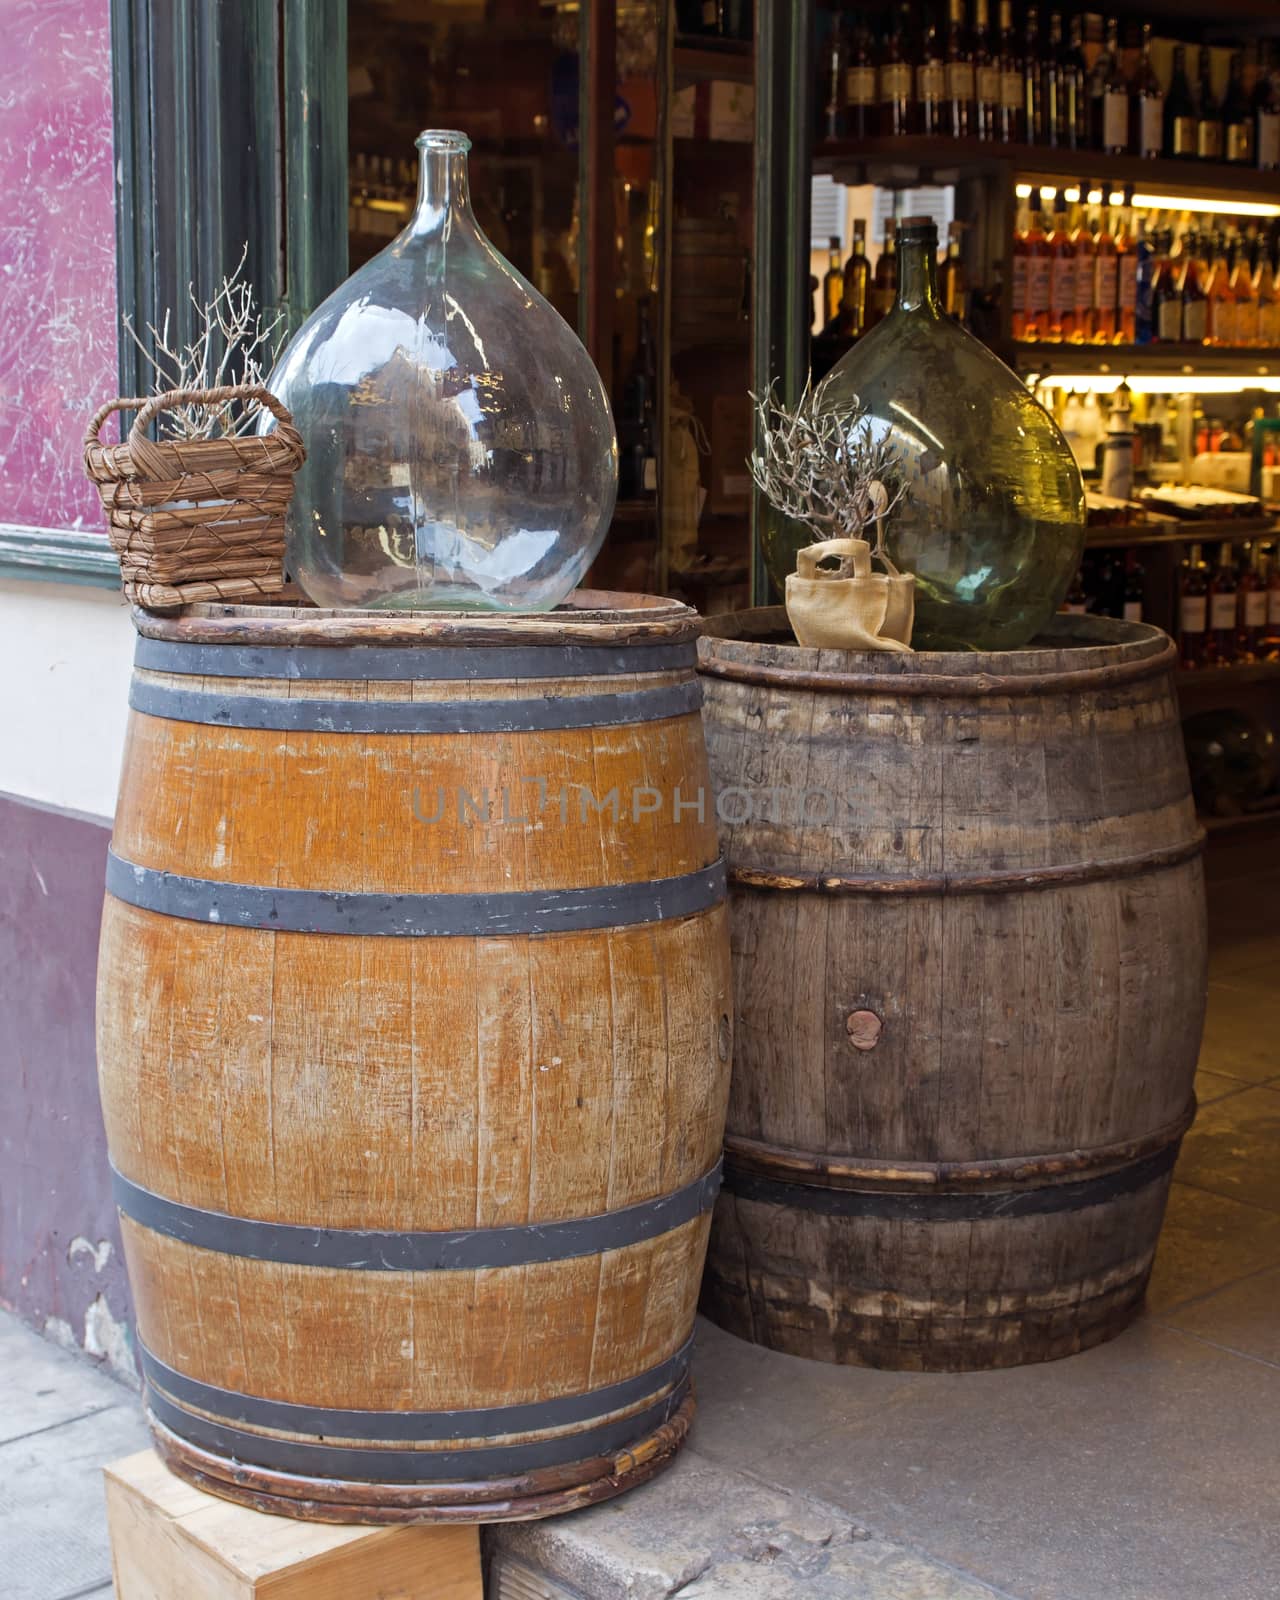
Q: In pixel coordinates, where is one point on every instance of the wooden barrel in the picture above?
(969, 954)
(414, 1042)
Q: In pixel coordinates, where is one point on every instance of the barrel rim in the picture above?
(1094, 653)
(587, 617)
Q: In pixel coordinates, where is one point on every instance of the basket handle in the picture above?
(92, 439)
(152, 408)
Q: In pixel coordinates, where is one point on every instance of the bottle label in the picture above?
(1084, 284)
(1192, 613)
(649, 475)
(1169, 321)
(1127, 281)
(1224, 610)
(1195, 321)
(1011, 90)
(931, 81)
(1064, 286)
(1152, 132)
(1268, 139)
(1133, 611)
(1255, 608)
(1224, 320)
(1019, 285)
(1104, 283)
(960, 80)
(1038, 285)
(987, 88)
(1184, 136)
(895, 81)
(860, 86)
(1115, 120)
(1273, 608)
(1239, 142)
(1209, 141)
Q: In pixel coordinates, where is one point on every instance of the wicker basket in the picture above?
(198, 519)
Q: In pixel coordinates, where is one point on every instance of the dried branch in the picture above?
(233, 343)
(825, 468)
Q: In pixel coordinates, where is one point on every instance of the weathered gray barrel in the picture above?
(969, 956)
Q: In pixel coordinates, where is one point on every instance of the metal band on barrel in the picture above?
(247, 905)
(417, 716)
(380, 1250)
(169, 1392)
(956, 1205)
(362, 662)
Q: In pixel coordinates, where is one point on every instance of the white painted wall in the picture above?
(66, 652)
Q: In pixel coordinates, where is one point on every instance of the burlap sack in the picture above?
(849, 607)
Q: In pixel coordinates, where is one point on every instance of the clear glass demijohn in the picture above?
(461, 451)
(993, 525)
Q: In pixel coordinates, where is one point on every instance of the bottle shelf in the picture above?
(917, 158)
(1155, 359)
(1133, 535)
(1236, 674)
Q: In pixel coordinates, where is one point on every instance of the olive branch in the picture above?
(825, 468)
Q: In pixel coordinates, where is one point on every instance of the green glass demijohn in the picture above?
(993, 523)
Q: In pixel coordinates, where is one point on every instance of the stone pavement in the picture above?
(1143, 1470)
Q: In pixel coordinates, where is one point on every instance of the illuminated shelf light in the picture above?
(1155, 383)
(1161, 202)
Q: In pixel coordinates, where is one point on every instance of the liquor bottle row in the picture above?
(1108, 585)
(1092, 274)
(1229, 612)
(855, 298)
(1041, 83)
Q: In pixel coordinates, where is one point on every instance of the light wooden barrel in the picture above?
(414, 1042)
(969, 955)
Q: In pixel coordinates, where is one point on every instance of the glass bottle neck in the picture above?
(917, 277)
(443, 189)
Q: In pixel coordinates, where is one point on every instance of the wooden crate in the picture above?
(171, 1540)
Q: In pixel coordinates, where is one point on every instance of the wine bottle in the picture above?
(1193, 608)
(1126, 277)
(1168, 298)
(1032, 100)
(1180, 110)
(1082, 243)
(1134, 589)
(1208, 113)
(1039, 272)
(1062, 276)
(1267, 293)
(860, 97)
(857, 286)
(993, 525)
(1144, 328)
(952, 286)
(833, 281)
(1073, 94)
(986, 75)
(1114, 132)
(959, 74)
(1222, 608)
(1105, 272)
(1237, 116)
(884, 285)
(1246, 308)
(1266, 114)
(895, 79)
(1146, 118)
(1195, 299)
(931, 82)
(831, 88)
(1020, 258)
(1222, 302)
(1252, 601)
(1012, 130)
(1052, 131)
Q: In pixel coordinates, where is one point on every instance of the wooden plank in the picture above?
(169, 1539)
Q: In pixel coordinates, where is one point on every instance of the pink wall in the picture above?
(57, 255)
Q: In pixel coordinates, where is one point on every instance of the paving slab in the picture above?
(1241, 1037)
(1233, 1148)
(1143, 1470)
(1244, 1317)
(43, 1387)
(706, 1532)
(1209, 1241)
